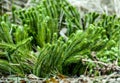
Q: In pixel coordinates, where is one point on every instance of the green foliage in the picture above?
(53, 14)
(31, 42)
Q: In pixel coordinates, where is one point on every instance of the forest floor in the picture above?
(112, 78)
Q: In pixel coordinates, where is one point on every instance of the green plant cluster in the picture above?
(30, 42)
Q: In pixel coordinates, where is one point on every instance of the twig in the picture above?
(111, 66)
(98, 62)
(28, 3)
(108, 77)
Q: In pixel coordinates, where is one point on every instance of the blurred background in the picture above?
(84, 6)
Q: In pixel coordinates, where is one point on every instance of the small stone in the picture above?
(118, 79)
(112, 81)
